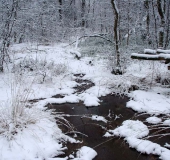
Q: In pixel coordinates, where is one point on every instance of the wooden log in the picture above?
(144, 57)
(150, 57)
(154, 52)
(150, 51)
(159, 51)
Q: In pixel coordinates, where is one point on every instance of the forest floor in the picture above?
(95, 114)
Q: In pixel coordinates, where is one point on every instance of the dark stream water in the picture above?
(111, 107)
(113, 148)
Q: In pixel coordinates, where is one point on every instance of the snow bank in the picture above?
(86, 153)
(148, 147)
(90, 100)
(37, 141)
(149, 102)
(67, 99)
(133, 131)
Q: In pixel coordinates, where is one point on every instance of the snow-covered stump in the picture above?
(154, 55)
(77, 54)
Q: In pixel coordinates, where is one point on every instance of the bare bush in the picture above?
(41, 69)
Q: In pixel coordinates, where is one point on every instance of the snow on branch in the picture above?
(90, 36)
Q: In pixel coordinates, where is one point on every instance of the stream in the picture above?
(113, 108)
(113, 148)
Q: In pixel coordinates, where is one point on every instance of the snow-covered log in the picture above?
(149, 51)
(76, 53)
(158, 51)
(151, 57)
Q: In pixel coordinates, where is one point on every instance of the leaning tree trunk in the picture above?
(116, 38)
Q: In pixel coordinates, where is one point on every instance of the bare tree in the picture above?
(11, 13)
(116, 38)
(83, 13)
(60, 9)
(162, 25)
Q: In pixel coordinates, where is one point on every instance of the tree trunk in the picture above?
(7, 35)
(116, 38)
(155, 24)
(128, 18)
(146, 5)
(83, 13)
(167, 24)
(162, 25)
(60, 9)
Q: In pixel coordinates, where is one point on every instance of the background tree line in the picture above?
(143, 22)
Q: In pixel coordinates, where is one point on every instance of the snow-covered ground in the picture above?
(44, 71)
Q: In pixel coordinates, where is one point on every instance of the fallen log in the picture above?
(151, 57)
(154, 52)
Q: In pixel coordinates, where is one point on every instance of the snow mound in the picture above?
(75, 52)
(90, 100)
(167, 122)
(131, 128)
(133, 131)
(37, 141)
(85, 153)
(153, 120)
(149, 102)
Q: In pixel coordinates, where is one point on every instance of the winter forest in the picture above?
(84, 79)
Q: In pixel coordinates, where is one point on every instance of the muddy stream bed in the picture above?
(113, 108)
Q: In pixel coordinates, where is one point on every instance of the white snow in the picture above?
(153, 120)
(149, 51)
(85, 153)
(145, 55)
(131, 128)
(167, 122)
(148, 147)
(41, 139)
(75, 52)
(90, 100)
(98, 118)
(36, 141)
(133, 131)
(163, 51)
(149, 102)
(167, 145)
(66, 99)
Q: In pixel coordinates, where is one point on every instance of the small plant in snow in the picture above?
(16, 114)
